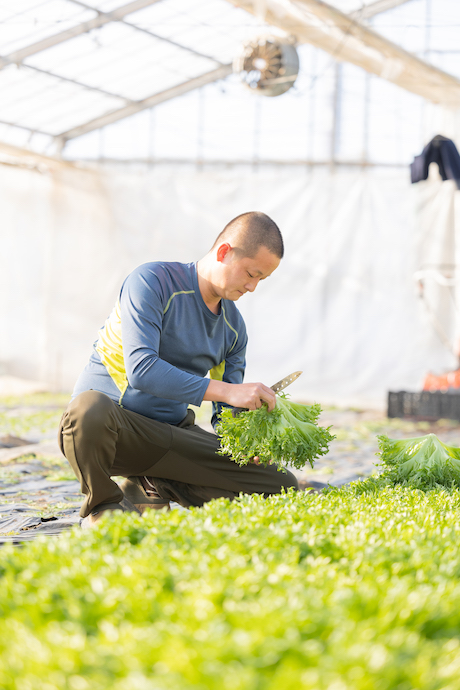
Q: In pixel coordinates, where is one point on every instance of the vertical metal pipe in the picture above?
(426, 108)
(312, 104)
(256, 140)
(201, 128)
(101, 143)
(336, 113)
(367, 108)
(151, 143)
(428, 18)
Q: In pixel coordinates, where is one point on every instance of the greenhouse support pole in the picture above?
(336, 113)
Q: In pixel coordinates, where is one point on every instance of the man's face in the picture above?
(242, 274)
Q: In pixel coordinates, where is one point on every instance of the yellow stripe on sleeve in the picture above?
(182, 292)
(231, 327)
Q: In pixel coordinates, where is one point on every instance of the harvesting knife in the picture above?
(284, 383)
(277, 388)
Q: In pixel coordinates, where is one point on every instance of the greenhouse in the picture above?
(200, 198)
(130, 136)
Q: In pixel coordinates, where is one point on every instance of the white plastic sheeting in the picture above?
(437, 259)
(342, 306)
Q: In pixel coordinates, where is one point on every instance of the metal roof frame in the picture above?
(347, 39)
(130, 106)
(118, 15)
(377, 7)
(136, 106)
(311, 21)
(32, 159)
(18, 56)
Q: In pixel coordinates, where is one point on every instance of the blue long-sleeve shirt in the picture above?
(160, 342)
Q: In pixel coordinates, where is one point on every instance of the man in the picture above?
(172, 325)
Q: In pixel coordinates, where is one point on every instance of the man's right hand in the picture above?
(250, 395)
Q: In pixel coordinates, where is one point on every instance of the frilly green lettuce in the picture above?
(424, 462)
(288, 436)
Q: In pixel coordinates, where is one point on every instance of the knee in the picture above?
(90, 411)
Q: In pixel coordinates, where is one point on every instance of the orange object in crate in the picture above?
(443, 382)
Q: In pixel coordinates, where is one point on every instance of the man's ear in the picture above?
(223, 250)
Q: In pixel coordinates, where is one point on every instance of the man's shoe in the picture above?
(142, 493)
(125, 506)
(316, 487)
(190, 495)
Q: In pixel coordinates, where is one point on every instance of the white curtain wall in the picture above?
(343, 305)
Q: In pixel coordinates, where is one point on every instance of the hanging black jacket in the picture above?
(442, 151)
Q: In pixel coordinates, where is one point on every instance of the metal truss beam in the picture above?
(14, 155)
(150, 102)
(153, 35)
(102, 18)
(68, 80)
(18, 56)
(374, 8)
(366, 12)
(310, 21)
(324, 26)
(31, 130)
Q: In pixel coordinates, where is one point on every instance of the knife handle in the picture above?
(236, 410)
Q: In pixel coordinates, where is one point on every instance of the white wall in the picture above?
(342, 306)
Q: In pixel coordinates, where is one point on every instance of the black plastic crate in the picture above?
(425, 405)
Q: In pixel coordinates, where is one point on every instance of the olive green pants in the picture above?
(100, 440)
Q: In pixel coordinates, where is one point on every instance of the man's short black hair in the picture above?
(249, 231)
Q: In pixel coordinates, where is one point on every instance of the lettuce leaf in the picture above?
(288, 436)
(424, 462)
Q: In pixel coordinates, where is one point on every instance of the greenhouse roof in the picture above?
(69, 67)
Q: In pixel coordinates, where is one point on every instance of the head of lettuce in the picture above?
(423, 463)
(288, 436)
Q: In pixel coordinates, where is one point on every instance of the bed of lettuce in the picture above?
(353, 589)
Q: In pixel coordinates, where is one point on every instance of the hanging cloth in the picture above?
(442, 151)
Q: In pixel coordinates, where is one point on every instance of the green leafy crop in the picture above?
(289, 435)
(424, 462)
(352, 589)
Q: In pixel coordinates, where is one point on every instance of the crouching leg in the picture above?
(88, 439)
(192, 472)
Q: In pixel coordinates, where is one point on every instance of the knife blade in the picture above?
(277, 388)
(284, 383)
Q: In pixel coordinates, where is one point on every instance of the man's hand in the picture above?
(250, 395)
